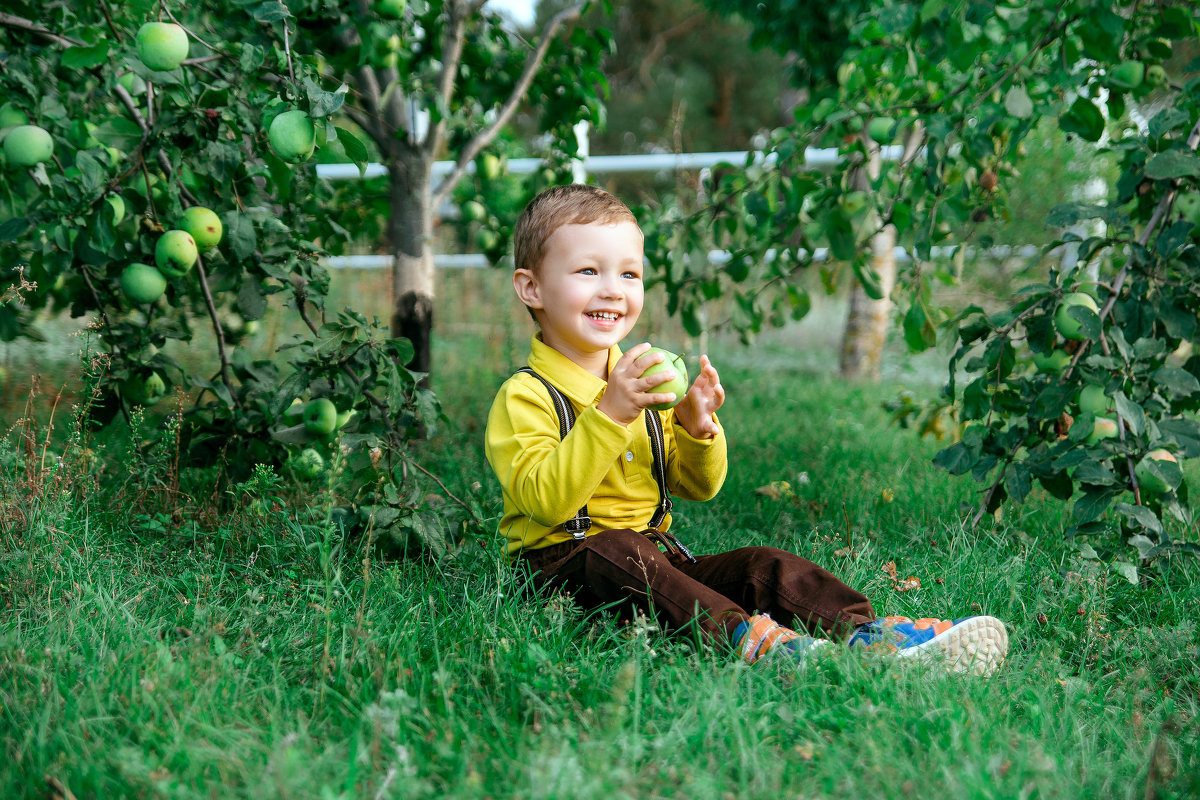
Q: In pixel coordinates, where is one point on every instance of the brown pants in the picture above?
(715, 594)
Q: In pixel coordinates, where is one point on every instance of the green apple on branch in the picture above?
(308, 464)
(321, 416)
(161, 46)
(27, 145)
(1092, 399)
(142, 283)
(1158, 472)
(204, 225)
(1068, 326)
(1103, 428)
(175, 253)
(293, 136)
(1053, 362)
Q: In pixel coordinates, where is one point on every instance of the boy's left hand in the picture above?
(695, 411)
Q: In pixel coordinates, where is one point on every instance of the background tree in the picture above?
(968, 82)
(441, 80)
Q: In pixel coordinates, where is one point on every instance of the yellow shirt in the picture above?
(600, 463)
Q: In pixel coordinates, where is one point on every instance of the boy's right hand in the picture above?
(628, 392)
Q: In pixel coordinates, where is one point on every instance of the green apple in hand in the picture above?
(678, 384)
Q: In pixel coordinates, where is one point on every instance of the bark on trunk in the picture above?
(868, 321)
(410, 231)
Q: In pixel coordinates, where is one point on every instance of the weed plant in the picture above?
(153, 647)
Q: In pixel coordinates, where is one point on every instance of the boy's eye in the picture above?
(631, 275)
(588, 271)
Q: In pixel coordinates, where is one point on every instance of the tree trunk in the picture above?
(868, 321)
(410, 231)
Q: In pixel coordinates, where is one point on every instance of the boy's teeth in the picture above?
(603, 315)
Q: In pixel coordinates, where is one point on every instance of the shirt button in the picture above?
(629, 455)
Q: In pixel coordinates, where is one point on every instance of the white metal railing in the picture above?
(646, 162)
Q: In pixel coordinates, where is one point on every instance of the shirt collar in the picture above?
(574, 381)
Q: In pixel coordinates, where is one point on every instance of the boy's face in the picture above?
(587, 293)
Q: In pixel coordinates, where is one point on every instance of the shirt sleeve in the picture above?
(696, 468)
(548, 480)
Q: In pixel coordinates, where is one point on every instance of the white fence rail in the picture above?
(647, 162)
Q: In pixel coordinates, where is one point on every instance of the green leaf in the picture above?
(1127, 571)
(1017, 103)
(12, 229)
(323, 103)
(957, 459)
(1093, 503)
(1184, 431)
(118, 132)
(1172, 164)
(271, 11)
(869, 278)
(251, 302)
(1131, 413)
(355, 149)
(1084, 119)
(919, 332)
(842, 243)
(1175, 382)
(239, 232)
(1065, 215)
(86, 57)
(1141, 515)
(1174, 237)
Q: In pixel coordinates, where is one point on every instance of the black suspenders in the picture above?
(578, 525)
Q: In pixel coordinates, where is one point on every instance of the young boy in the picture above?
(579, 254)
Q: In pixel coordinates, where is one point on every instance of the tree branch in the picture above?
(452, 46)
(20, 23)
(217, 329)
(485, 137)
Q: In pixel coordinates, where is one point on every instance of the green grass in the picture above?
(257, 655)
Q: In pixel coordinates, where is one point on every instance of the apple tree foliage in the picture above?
(133, 149)
(956, 87)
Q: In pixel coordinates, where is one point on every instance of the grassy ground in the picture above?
(258, 655)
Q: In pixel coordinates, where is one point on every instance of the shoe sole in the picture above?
(976, 646)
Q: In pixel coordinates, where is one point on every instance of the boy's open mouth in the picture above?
(604, 316)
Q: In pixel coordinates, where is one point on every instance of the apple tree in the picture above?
(440, 79)
(154, 181)
(958, 87)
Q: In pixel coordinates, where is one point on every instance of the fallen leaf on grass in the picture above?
(776, 490)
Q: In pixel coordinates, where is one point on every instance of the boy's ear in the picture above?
(526, 287)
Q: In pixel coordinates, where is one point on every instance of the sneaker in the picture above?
(976, 645)
(758, 635)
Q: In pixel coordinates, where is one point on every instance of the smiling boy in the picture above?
(589, 510)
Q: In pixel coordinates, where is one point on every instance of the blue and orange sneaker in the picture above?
(972, 644)
(758, 635)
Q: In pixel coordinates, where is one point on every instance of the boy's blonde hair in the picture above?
(572, 204)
